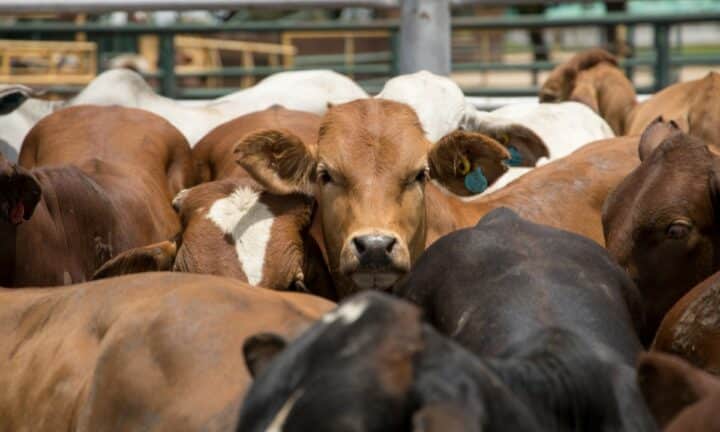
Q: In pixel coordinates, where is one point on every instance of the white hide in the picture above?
(308, 91)
(438, 101)
(249, 222)
(564, 127)
(348, 313)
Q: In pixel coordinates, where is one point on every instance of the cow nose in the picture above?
(373, 251)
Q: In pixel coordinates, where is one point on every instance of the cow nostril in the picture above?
(374, 247)
(390, 244)
(359, 245)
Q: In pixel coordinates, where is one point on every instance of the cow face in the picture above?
(19, 193)
(659, 223)
(372, 336)
(368, 173)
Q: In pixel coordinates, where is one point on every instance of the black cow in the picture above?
(373, 365)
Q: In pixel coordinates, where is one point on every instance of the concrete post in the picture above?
(425, 36)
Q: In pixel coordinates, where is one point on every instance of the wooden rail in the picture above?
(47, 62)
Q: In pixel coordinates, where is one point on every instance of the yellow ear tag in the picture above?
(504, 138)
(465, 168)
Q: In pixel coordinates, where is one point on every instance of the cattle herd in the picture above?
(544, 266)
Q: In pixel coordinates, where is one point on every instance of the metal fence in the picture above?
(662, 60)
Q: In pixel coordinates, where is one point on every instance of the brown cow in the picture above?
(230, 228)
(153, 352)
(95, 181)
(681, 397)
(214, 153)
(692, 327)
(693, 105)
(660, 223)
(593, 78)
(378, 212)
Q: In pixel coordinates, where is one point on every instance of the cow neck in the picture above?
(8, 237)
(447, 212)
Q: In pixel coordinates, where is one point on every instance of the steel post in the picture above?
(425, 36)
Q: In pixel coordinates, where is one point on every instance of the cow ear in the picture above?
(524, 145)
(444, 417)
(260, 349)
(653, 135)
(12, 96)
(466, 163)
(278, 160)
(20, 192)
(154, 257)
(667, 384)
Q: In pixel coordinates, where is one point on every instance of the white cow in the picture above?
(439, 103)
(534, 133)
(302, 90)
(542, 132)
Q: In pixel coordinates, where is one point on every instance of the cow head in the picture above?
(20, 192)
(368, 174)
(300, 387)
(560, 83)
(660, 223)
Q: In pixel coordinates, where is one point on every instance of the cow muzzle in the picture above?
(374, 260)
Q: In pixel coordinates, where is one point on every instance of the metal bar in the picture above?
(96, 6)
(425, 36)
(495, 23)
(662, 55)
(167, 64)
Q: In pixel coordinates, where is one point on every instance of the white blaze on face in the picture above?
(347, 313)
(249, 222)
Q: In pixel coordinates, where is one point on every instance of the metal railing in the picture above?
(662, 61)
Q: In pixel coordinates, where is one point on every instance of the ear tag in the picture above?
(475, 181)
(465, 165)
(504, 138)
(516, 158)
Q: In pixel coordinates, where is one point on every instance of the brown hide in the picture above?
(693, 105)
(107, 176)
(154, 352)
(593, 78)
(213, 154)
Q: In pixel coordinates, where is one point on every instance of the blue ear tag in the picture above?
(516, 158)
(475, 181)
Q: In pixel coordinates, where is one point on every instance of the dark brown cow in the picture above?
(691, 329)
(682, 398)
(661, 222)
(94, 181)
(593, 78)
(378, 212)
(693, 105)
(152, 352)
(214, 153)
(230, 228)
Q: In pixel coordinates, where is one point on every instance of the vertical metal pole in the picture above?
(425, 36)
(167, 63)
(662, 52)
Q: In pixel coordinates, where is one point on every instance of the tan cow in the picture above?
(94, 182)
(593, 78)
(152, 352)
(377, 210)
(693, 105)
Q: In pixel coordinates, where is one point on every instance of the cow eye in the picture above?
(421, 176)
(679, 229)
(324, 177)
